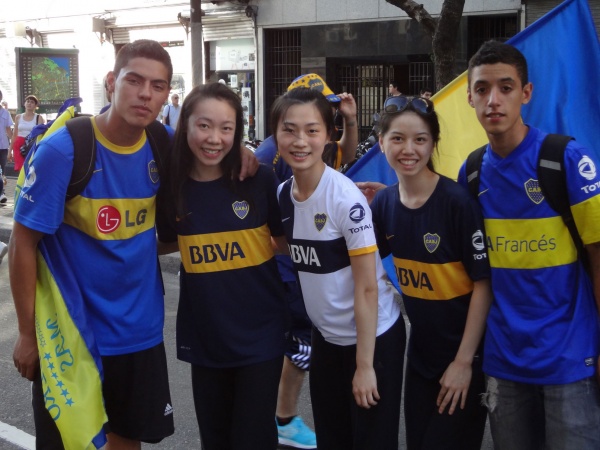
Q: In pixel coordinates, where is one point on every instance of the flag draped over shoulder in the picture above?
(70, 364)
(563, 56)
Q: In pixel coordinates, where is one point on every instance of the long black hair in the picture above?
(182, 158)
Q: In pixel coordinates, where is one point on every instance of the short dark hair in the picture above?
(299, 96)
(395, 84)
(430, 118)
(425, 89)
(494, 52)
(143, 48)
(182, 158)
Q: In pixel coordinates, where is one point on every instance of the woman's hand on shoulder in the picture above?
(370, 188)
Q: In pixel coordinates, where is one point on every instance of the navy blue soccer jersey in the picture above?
(231, 307)
(438, 251)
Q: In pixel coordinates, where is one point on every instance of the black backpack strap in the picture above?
(160, 143)
(84, 153)
(473, 169)
(552, 179)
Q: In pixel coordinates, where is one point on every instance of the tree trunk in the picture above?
(444, 42)
(443, 32)
(417, 12)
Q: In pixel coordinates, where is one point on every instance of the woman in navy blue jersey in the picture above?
(434, 230)
(231, 321)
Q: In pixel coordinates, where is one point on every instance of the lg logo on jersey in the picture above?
(108, 219)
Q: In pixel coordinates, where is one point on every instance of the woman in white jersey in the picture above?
(24, 123)
(359, 336)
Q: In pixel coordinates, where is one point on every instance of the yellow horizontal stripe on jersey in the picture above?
(112, 219)
(587, 218)
(432, 281)
(362, 250)
(217, 252)
(529, 243)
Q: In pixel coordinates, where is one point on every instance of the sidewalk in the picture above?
(168, 263)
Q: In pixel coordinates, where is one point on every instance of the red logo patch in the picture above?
(108, 219)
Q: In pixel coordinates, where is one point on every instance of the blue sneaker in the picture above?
(296, 434)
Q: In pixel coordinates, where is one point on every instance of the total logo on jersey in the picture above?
(587, 168)
(357, 213)
(108, 219)
(432, 242)
(29, 181)
(478, 242)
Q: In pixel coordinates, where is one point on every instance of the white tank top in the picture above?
(25, 126)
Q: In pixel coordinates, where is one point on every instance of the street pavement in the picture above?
(15, 414)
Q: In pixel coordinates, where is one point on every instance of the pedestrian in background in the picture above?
(24, 123)
(170, 114)
(6, 134)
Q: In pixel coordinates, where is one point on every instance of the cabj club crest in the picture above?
(320, 221)
(534, 191)
(432, 241)
(241, 209)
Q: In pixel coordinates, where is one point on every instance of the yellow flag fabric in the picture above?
(460, 131)
(71, 375)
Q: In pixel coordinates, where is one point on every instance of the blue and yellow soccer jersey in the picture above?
(232, 310)
(438, 251)
(106, 233)
(543, 324)
(323, 232)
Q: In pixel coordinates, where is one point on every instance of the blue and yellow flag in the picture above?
(563, 56)
(70, 364)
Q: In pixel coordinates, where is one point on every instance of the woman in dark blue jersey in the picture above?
(231, 319)
(434, 231)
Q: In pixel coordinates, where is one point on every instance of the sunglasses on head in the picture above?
(400, 103)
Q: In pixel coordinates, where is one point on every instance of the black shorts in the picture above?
(298, 343)
(136, 397)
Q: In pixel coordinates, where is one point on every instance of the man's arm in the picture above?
(22, 261)
(349, 140)
(249, 163)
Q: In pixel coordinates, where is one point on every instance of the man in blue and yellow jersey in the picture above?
(100, 250)
(542, 340)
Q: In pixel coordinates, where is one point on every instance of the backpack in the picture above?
(551, 178)
(84, 146)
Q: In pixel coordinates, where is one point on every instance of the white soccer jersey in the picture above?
(323, 232)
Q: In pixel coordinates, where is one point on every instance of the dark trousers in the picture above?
(3, 159)
(339, 422)
(235, 407)
(426, 429)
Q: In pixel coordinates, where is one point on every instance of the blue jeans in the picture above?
(545, 417)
